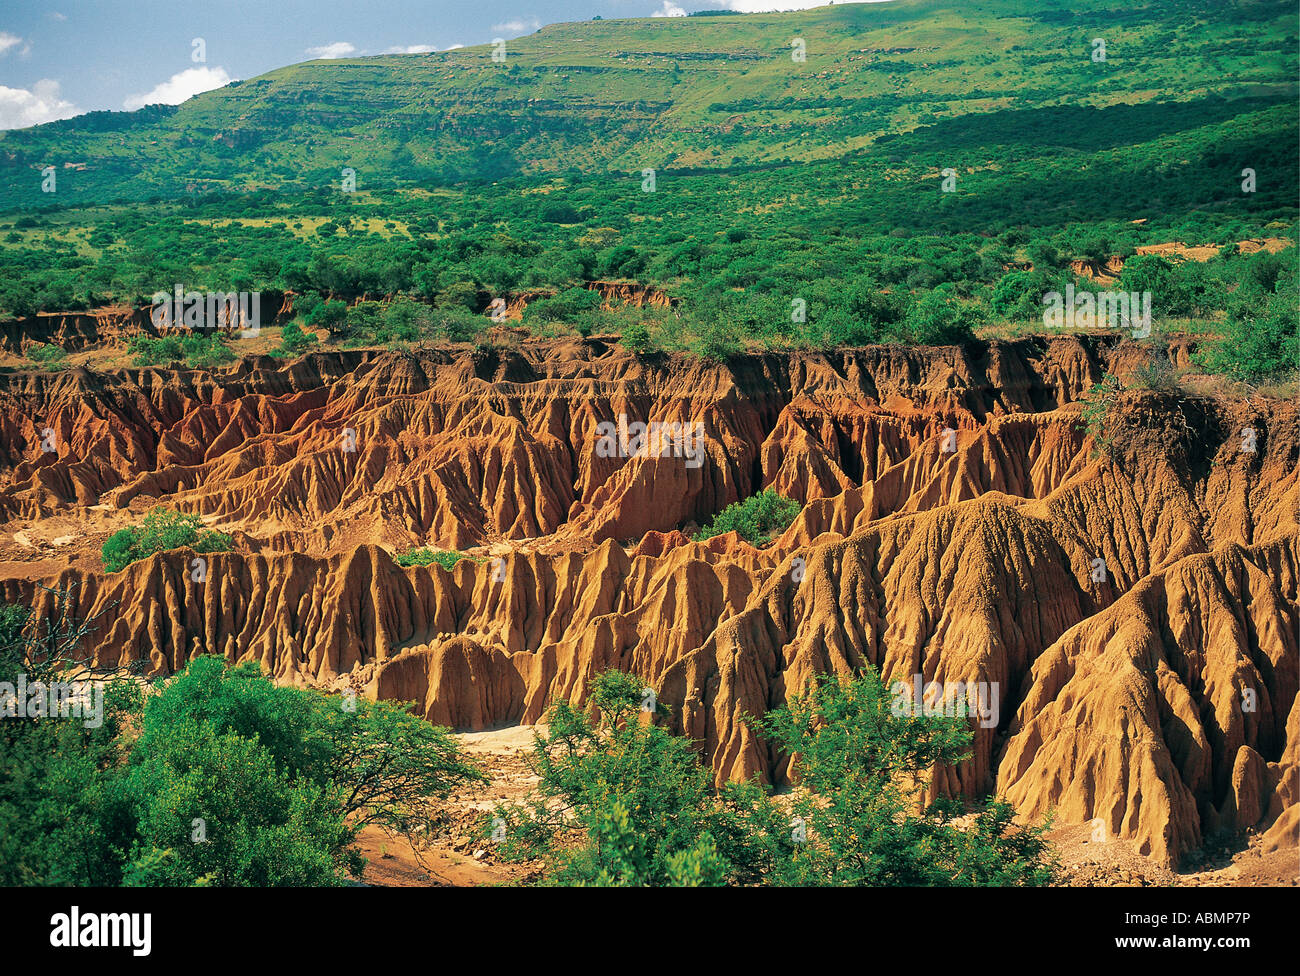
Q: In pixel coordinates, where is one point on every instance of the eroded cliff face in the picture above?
(1135, 611)
(115, 325)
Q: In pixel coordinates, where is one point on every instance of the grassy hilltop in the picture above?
(695, 92)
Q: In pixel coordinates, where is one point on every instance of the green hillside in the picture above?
(793, 204)
(696, 92)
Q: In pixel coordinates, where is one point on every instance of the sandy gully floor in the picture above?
(458, 858)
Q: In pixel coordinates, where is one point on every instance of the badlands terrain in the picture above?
(1134, 601)
(814, 253)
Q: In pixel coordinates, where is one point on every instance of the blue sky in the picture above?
(60, 58)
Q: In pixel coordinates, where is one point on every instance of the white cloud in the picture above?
(55, 15)
(180, 86)
(669, 9)
(411, 49)
(8, 40)
(455, 47)
(518, 26)
(20, 108)
(339, 49)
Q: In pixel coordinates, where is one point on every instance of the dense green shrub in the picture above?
(1261, 338)
(160, 531)
(313, 774)
(463, 295)
(636, 337)
(47, 356)
(332, 315)
(861, 762)
(305, 305)
(446, 558)
(364, 321)
(567, 306)
(715, 340)
(294, 340)
(878, 313)
(622, 802)
(936, 318)
(221, 778)
(1098, 401)
(1162, 278)
(756, 519)
(199, 350)
(1018, 295)
(404, 321)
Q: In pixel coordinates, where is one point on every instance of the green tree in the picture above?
(236, 781)
(860, 763)
(937, 319)
(460, 295)
(1158, 275)
(378, 762)
(623, 802)
(331, 314)
(63, 817)
(875, 313)
(1018, 295)
(198, 350)
(294, 340)
(716, 340)
(636, 337)
(567, 306)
